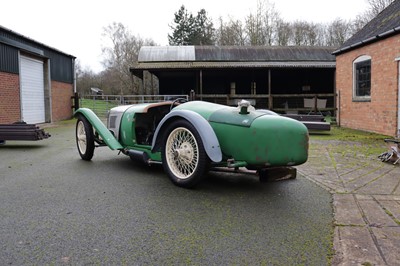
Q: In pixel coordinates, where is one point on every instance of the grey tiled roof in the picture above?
(386, 23)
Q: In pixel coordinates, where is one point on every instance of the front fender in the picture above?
(207, 134)
(100, 128)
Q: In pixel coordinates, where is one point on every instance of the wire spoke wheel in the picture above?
(183, 154)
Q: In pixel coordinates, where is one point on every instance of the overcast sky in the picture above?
(75, 26)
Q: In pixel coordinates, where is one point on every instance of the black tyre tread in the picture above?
(88, 154)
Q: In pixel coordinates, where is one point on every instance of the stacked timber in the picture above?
(21, 131)
(312, 122)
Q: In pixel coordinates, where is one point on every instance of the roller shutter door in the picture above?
(32, 90)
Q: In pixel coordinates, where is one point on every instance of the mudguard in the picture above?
(207, 134)
(100, 128)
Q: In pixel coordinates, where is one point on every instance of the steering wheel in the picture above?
(179, 101)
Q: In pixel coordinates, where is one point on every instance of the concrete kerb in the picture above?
(366, 202)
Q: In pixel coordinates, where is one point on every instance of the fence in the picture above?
(281, 103)
(100, 104)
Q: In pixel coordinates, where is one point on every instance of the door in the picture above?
(32, 90)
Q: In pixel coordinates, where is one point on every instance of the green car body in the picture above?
(255, 138)
(231, 136)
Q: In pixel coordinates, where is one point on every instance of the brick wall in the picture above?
(10, 110)
(380, 114)
(61, 100)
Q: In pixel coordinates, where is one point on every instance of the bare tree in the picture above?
(283, 33)
(337, 32)
(121, 55)
(270, 21)
(230, 33)
(261, 26)
(300, 31)
(311, 34)
(375, 7)
(253, 25)
(320, 31)
(86, 79)
(265, 27)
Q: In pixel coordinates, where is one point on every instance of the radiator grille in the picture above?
(112, 121)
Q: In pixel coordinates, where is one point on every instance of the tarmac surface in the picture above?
(75, 220)
(56, 209)
(366, 199)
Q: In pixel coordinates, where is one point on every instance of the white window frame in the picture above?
(357, 98)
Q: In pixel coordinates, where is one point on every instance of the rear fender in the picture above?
(207, 134)
(100, 128)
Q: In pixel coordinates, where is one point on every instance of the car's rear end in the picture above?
(255, 138)
(269, 141)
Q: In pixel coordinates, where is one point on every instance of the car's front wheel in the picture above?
(184, 157)
(84, 138)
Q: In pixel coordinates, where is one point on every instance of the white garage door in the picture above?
(32, 90)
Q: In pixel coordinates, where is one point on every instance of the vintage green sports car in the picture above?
(190, 138)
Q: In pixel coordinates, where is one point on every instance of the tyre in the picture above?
(183, 155)
(84, 138)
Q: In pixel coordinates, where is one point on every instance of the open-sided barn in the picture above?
(278, 78)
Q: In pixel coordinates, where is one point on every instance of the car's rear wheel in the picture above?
(184, 157)
(84, 138)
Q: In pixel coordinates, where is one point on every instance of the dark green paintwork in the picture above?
(231, 116)
(205, 109)
(270, 141)
(100, 128)
(127, 131)
(255, 138)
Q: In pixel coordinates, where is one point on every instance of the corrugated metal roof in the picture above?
(197, 64)
(166, 53)
(20, 37)
(203, 57)
(263, 53)
(11, 43)
(385, 24)
(235, 54)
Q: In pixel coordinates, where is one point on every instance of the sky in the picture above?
(75, 27)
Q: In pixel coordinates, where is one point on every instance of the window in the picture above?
(362, 78)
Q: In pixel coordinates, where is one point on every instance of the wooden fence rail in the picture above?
(282, 103)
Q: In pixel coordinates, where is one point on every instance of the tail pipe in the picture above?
(141, 156)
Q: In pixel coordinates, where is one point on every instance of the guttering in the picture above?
(368, 40)
(19, 44)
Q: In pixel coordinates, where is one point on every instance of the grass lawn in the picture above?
(351, 142)
(100, 107)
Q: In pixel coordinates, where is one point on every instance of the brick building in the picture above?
(367, 75)
(36, 81)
